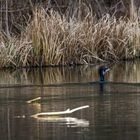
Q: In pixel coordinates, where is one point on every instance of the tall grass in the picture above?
(57, 41)
(53, 39)
(14, 52)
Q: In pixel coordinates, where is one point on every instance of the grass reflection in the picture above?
(122, 72)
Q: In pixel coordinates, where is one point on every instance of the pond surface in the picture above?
(113, 113)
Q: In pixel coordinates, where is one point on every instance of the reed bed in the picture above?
(52, 39)
(14, 53)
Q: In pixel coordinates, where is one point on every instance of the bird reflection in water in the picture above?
(102, 71)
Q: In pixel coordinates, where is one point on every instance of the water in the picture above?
(114, 112)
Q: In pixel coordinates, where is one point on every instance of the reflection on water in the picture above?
(126, 72)
(68, 121)
(112, 115)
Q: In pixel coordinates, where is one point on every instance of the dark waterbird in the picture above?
(102, 71)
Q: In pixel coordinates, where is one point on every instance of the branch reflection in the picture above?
(68, 121)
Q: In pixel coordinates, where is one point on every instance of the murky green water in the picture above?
(114, 112)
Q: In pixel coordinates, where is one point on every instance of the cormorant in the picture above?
(102, 70)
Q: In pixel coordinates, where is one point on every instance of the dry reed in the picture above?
(52, 39)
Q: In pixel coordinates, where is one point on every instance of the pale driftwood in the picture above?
(68, 111)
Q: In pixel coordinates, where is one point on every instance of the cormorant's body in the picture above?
(102, 70)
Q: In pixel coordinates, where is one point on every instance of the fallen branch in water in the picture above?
(68, 111)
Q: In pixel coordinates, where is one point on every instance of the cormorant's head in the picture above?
(102, 70)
